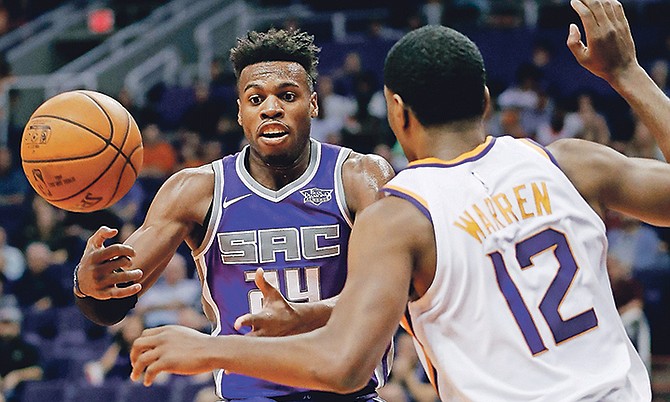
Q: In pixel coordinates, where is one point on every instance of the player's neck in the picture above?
(276, 176)
(450, 141)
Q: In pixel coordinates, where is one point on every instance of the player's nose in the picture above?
(272, 108)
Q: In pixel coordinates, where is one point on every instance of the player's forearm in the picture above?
(648, 102)
(309, 360)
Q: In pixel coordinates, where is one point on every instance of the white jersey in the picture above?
(521, 307)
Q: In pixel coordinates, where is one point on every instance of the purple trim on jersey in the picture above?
(549, 154)
(447, 164)
(411, 199)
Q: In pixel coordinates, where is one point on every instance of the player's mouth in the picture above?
(273, 132)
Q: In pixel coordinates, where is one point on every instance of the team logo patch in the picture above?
(316, 196)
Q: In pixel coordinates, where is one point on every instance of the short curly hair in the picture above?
(276, 45)
(439, 73)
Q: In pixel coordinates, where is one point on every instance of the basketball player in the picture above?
(498, 242)
(285, 203)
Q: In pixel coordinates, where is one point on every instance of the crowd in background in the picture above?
(40, 244)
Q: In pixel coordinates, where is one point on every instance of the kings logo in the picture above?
(316, 196)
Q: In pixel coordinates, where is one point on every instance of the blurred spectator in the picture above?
(346, 76)
(561, 125)
(42, 286)
(174, 299)
(12, 262)
(46, 223)
(432, 11)
(659, 73)
(629, 299)
(643, 144)
(527, 96)
(635, 244)
(334, 109)
(228, 133)
(20, 359)
(115, 361)
(13, 189)
(160, 157)
(407, 375)
(211, 150)
(160, 160)
(129, 207)
(203, 115)
(189, 146)
(593, 123)
(6, 299)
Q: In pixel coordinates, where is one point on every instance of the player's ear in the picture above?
(313, 105)
(487, 101)
(239, 113)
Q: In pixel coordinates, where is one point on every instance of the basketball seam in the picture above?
(127, 162)
(108, 142)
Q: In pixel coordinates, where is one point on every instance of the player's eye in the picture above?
(255, 100)
(289, 96)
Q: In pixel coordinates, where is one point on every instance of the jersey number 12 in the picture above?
(561, 329)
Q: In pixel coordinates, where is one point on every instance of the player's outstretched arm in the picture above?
(606, 178)
(340, 356)
(109, 279)
(609, 53)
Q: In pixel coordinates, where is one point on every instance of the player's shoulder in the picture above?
(358, 164)
(187, 190)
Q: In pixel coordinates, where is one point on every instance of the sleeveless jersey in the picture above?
(520, 307)
(298, 235)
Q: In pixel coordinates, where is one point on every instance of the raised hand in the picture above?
(277, 318)
(102, 273)
(609, 51)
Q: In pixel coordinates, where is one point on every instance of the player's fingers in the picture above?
(585, 15)
(114, 251)
(98, 238)
(153, 369)
(121, 292)
(265, 287)
(608, 8)
(575, 43)
(245, 320)
(619, 14)
(141, 361)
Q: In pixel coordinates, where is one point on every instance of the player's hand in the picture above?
(609, 52)
(277, 318)
(171, 349)
(103, 271)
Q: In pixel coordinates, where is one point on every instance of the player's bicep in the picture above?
(609, 180)
(181, 203)
(642, 190)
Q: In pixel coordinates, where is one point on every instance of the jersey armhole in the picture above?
(540, 150)
(214, 213)
(413, 198)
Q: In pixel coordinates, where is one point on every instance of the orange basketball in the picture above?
(81, 151)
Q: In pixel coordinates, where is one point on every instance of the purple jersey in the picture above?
(297, 234)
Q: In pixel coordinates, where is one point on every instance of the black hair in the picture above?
(276, 45)
(439, 73)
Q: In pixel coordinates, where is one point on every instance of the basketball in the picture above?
(81, 151)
